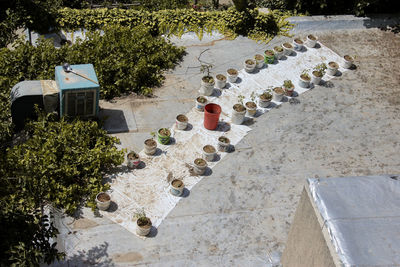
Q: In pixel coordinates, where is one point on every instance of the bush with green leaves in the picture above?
(62, 163)
(250, 22)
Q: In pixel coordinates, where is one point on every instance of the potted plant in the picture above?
(143, 223)
(232, 75)
(287, 49)
(249, 65)
(278, 52)
(311, 40)
(238, 111)
(277, 94)
(220, 81)
(181, 122)
(133, 159)
(103, 201)
(209, 152)
(288, 87)
(200, 166)
(207, 82)
(259, 61)
(176, 187)
(305, 79)
(269, 56)
(347, 62)
(265, 99)
(298, 44)
(332, 68)
(150, 145)
(251, 106)
(223, 144)
(317, 73)
(164, 136)
(201, 101)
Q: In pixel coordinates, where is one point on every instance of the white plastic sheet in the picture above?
(148, 188)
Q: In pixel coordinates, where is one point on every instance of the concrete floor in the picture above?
(241, 214)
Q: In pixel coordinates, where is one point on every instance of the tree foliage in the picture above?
(61, 163)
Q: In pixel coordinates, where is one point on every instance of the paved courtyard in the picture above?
(240, 215)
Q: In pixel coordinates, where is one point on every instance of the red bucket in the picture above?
(211, 116)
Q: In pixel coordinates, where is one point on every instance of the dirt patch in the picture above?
(83, 224)
(128, 257)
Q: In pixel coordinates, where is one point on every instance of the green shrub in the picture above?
(176, 22)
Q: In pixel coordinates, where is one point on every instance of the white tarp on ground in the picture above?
(148, 187)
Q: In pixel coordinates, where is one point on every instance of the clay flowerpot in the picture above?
(311, 41)
(264, 100)
(143, 226)
(251, 108)
(238, 113)
(164, 136)
(176, 187)
(259, 61)
(316, 77)
(207, 85)
(150, 146)
(249, 65)
(200, 166)
(298, 44)
(181, 122)
(279, 53)
(103, 201)
(201, 101)
(223, 144)
(277, 94)
(232, 75)
(133, 159)
(220, 81)
(209, 152)
(332, 68)
(287, 48)
(269, 57)
(304, 80)
(347, 62)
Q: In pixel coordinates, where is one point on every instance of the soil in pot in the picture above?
(232, 72)
(144, 222)
(298, 41)
(278, 49)
(312, 37)
(251, 105)
(182, 118)
(221, 77)
(239, 107)
(207, 79)
(201, 99)
(133, 156)
(259, 57)
(317, 74)
(287, 45)
(249, 62)
(150, 142)
(279, 90)
(266, 96)
(333, 65)
(269, 53)
(164, 132)
(305, 77)
(348, 58)
(103, 197)
(223, 139)
(177, 183)
(200, 162)
(209, 149)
